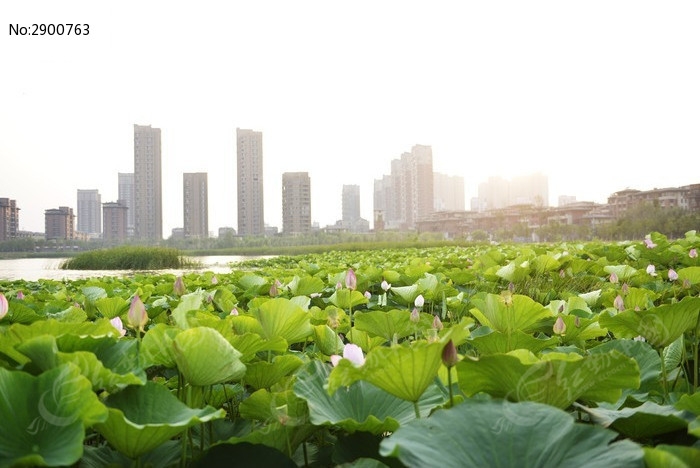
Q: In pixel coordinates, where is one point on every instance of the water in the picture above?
(32, 269)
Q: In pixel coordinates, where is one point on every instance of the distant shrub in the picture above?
(127, 258)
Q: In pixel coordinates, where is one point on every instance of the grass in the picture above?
(127, 258)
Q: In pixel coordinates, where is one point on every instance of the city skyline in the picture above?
(494, 94)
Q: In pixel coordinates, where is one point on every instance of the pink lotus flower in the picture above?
(437, 323)
(693, 253)
(137, 316)
(338, 285)
(179, 286)
(352, 353)
(117, 323)
(385, 285)
(368, 295)
(648, 242)
(20, 295)
(278, 283)
(4, 306)
(419, 301)
(559, 327)
(273, 290)
(625, 288)
(613, 278)
(415, 316)
(651, 270)
(672, 275)
(234, 311)
(619, 303)
(350, 280)
(214, 280)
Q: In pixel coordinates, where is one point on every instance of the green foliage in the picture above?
(126, 258)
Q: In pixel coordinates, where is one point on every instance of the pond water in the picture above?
(32, 269)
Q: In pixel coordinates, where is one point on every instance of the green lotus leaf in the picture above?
(70, 315)
(623, 272)
(224, 300)
(359, 407)
(248, 344)
(143, 417)
(692, 274)
(327, 340)
(587, 329)
(689, 403)
(346, 298)
(544, 263)
(497, 342)
(282, 318)
(245, 454)
(205, 358)
(671, 456)
(306, 285)
(521, 314)
(646, 420)
(591, 298)
(263, 374)
(111, 307)
(395, 323)
(512, 272)
(20, 313)
(44, 418)
(405, 372)
(660, 326)
(406, 294)
(283, 407)
(278, 436)
(164, 456)
(507, 434)
(558, 379)
(188, 303)
(252, 284)
(157, 346)
(363, 340)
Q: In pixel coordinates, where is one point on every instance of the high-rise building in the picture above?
(251, 215)
(148, 198)
(448, 192)
(115, 216)
(499, 193)
(296, 202)
(89, 211)
(9, 219)
(59, 223)
(195, 200)
(126, 195)
(351, 203)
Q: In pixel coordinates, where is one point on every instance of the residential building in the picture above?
(9, 219)
(566, 200)
(296, 202)
(448, 192)
(126, 195)
(195, 204)
(251, 214)
(499, 193)
(115, 218)
(90, 212)
(685, 197)
(148, 197)
(351, 203)
(59, 223)
(177, 233)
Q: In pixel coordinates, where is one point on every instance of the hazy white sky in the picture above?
(599, 95)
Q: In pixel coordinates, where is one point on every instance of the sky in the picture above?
(597, 95)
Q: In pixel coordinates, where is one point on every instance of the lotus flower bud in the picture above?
(76, 305)
(353, 353)
(437, 323)
(686, 283)
(449, 354)
(350, 280)
(625, 288)
(559, 327)
(117, 323)
(648, 242)
(511, 287)
(562, 274)
(577, 322)
(338, 285)
(4, 306)
(385, 285)
(335, 359)
(672, 275)
(20, 295)
(273, 290)
(637, 309)
(137, 316)
(209, 298)
(179, 286)
(214, 280)
(561, 308)
(613, 278)
(419, 301)
(651, 270)
(415, 316)
(639, 338)
(278, 283)
(368, 295)
(234, 311)
(619, 303)
(693, 253)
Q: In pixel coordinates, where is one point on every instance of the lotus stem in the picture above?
(449, 385)
(695, 355)
(663, 374)
(306, 456)
(415, 407)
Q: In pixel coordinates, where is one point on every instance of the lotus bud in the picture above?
(561, 308)
(350, 280)
(415, 316)
(686, 283)
(437, 323)
(648, 242)
(209, 298)
(672, 275)
(619, 303)
(20, 295)
(368, 295)
(234, 311)
(338, 285)
(419, 301)
(335, 359)
(511, 287)
(117, 323)
(353, 353)
(625, 288)
(559, 327)
(273, 290)
(4, 306)
(613, 278)
(651, 270)
(278, 283)
(214, 280)
(76, 305)
(693, 253)
(562, 274)
(137, 316)
(179, 286)
(577, 322)
(637, 309)
(639, 338)
(449, 354)
(385, 285)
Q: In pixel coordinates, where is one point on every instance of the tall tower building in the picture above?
(296, 202)
(195, 201)
(115, 222)
(351, 203)
(9, 219)
(251, 215)
(449, 192)
(148, 198)
(126, 195)
(89, 211)
(59, 223)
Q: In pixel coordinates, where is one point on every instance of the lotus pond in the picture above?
(503, 355)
